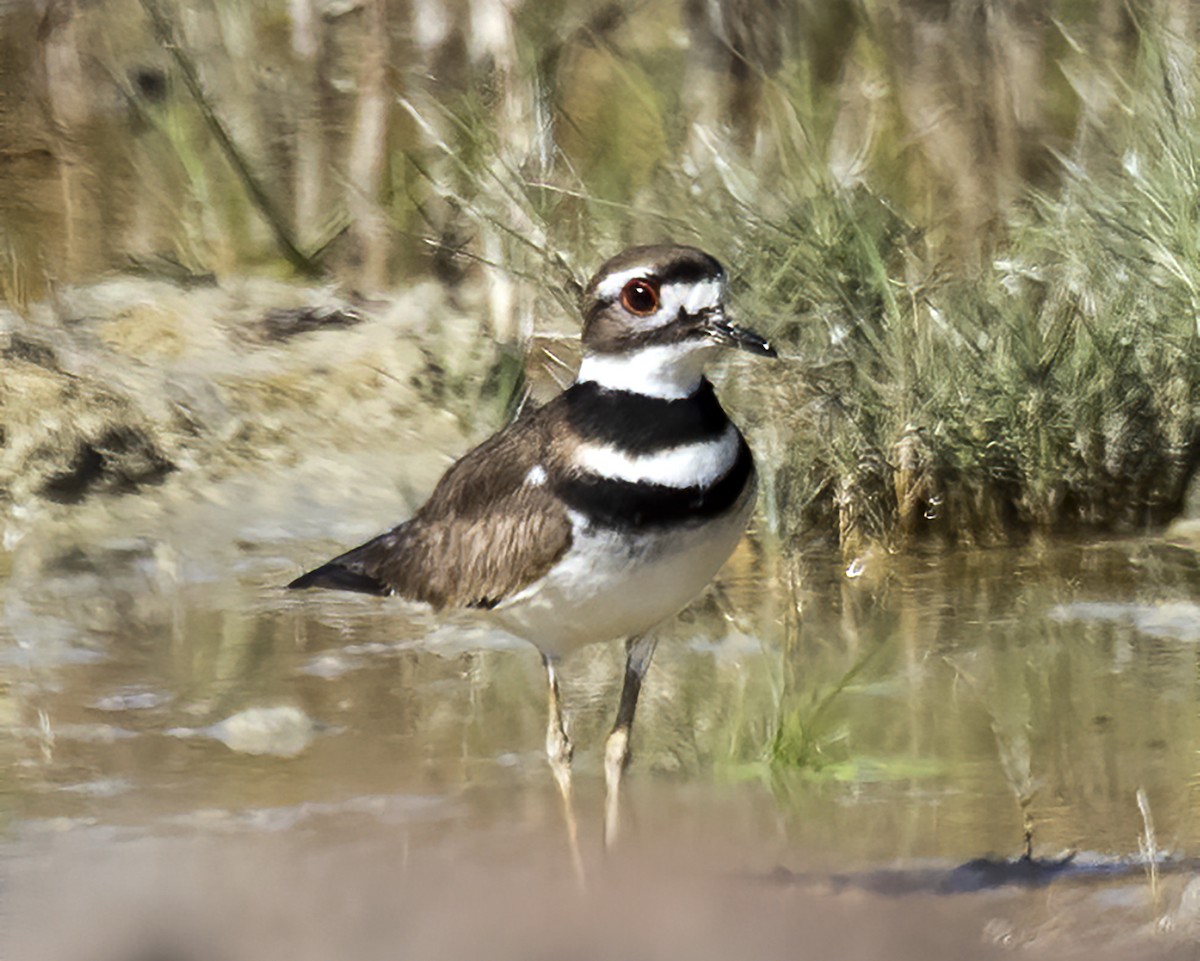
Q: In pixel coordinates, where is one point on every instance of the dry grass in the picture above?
(970, 224)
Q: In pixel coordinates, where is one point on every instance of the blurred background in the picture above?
(973, 221)
(266, 268)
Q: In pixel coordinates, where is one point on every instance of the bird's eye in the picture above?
(640, 297)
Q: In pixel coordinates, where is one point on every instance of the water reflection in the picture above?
(934, 707)
(931, 707)
(976, 710)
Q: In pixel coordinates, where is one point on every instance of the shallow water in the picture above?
(179, 723)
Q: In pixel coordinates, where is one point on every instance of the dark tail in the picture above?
(356, 569)
(338, 578)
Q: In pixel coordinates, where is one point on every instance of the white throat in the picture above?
(669, 371)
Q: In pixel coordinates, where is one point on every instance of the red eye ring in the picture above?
(640, 296)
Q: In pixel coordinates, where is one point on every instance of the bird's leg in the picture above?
(639, 651)
(558, 753)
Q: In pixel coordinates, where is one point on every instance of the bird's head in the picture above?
(653, 317)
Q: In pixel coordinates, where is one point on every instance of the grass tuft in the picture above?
(972, 230)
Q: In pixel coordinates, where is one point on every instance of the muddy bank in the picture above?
(386, 893)
(196, 395)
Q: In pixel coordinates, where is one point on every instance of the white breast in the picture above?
(611, 585)
(689, 465)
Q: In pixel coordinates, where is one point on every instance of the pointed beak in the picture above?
(724, 331)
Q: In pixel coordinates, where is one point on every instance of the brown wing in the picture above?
(484, 534)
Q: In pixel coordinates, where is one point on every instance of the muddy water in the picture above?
(182, 732)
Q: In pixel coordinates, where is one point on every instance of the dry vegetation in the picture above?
(971, 224)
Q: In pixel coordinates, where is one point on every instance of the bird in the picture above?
(600, 514)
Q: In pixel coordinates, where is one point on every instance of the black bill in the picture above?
(725, 332)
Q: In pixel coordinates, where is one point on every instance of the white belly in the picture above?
(610, 585)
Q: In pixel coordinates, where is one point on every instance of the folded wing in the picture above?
(490, 528)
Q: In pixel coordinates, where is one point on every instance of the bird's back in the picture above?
(601, 513)
(485, 532)
(612, 506)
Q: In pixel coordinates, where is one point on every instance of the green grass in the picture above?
(974, 235)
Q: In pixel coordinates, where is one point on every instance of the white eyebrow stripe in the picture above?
(612, 284)
(696, 297)
(690, 465)
(692, 296)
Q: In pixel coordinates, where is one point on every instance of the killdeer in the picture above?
(601, 513)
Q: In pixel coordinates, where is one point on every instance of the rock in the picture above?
(1183, 532)
(282, 731)
(132, 385)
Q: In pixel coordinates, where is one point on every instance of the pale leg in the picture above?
(558, 753)
(639, 651)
